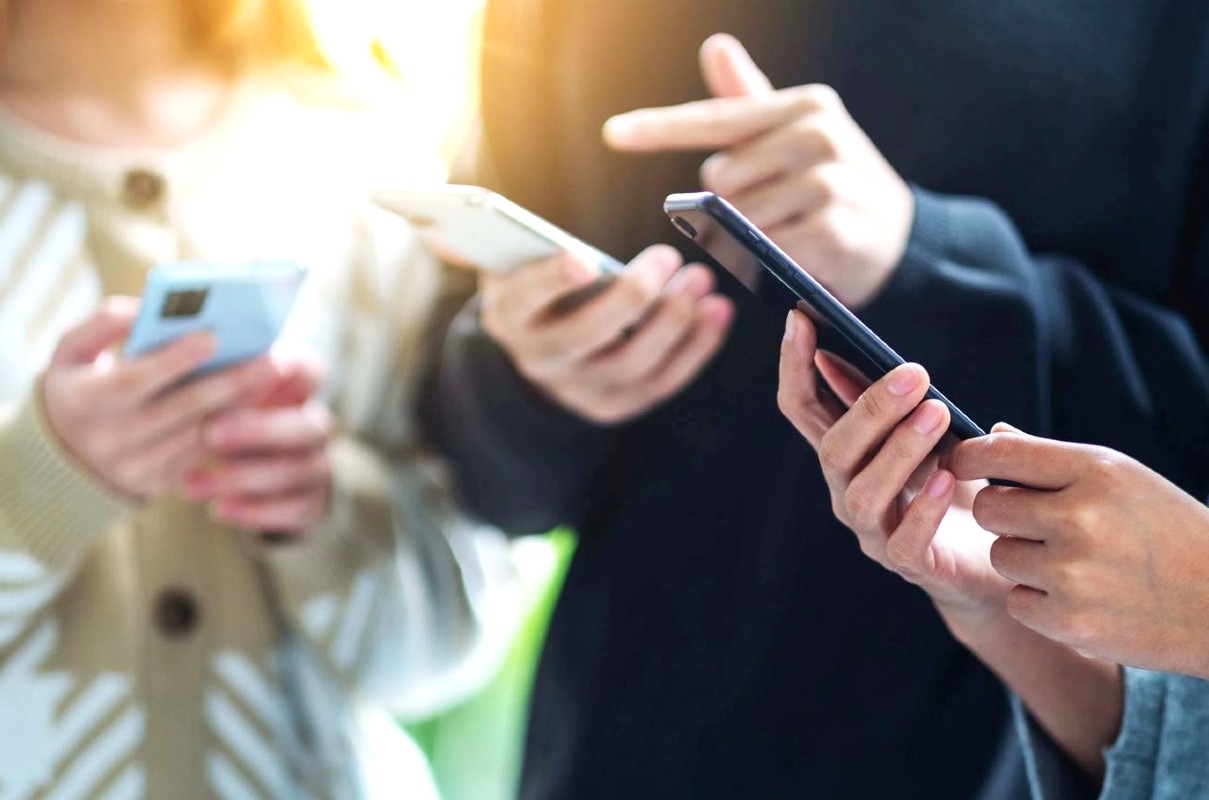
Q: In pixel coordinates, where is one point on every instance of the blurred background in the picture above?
(475, 748)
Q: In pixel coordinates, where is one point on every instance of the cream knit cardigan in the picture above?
(100, 695)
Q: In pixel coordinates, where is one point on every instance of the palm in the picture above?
(961, 572)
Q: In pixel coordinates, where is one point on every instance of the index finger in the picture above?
(1019, 458)
(713, 124)
(146, 376)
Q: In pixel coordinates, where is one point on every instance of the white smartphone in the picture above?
(485, 229)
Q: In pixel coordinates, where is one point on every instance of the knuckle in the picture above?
(820, 140)
(829, 456)
(860, 503)
(873, 405)
(1082, 518)
(1108, 466)
(824, 96)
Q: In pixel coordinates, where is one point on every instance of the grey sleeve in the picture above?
(1160, 751)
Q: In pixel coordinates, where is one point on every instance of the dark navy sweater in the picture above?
(720, 635)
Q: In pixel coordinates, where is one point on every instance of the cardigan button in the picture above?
(142, 188)
(176, 613)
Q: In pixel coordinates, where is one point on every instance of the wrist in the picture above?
(973, 625)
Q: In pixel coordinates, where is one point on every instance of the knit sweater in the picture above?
(142, 647)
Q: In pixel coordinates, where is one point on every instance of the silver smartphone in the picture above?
(485, 230)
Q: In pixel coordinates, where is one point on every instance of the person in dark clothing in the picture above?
(719, 635)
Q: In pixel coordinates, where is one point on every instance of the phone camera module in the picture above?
(684, 225)
(184, 303)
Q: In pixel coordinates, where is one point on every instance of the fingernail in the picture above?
(619, 129)
(928, 418)
(791, 326)
(906, 380)
(939, 484)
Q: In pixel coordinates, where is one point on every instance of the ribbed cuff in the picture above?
(50, 505)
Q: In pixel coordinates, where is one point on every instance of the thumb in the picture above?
(108, 326)
(1003, 427)
(728, 69)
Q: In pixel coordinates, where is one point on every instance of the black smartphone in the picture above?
(740, 246)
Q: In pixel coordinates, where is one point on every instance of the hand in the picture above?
(793, 162)
(623, 352)
(268, 467)
(878, 458)
(129, 423)
(1110, 557)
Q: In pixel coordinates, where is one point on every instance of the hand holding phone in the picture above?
(740, 246)
(614, 357)
(243, 305)
(877, 446)
(486, 230)
(135, 424)
(267, 465)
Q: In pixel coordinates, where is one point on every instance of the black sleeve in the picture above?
(519, 461)
(1038, 341)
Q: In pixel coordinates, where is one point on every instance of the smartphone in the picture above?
(244, 304)
(738, 245)
(485, 229)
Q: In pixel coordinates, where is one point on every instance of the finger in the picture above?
(729, 70)
(659, 335)
(1034, 609)
(524, 294)
(909, 549)
(799, 396)
(258, 476)
(295, 379)
(195, 401)
(145, 377)
(295, 512)
(110, 325)
(158, 467)
(1022, 561)
(879, 409)
(1013, 511)
(781, 200)
(714, 124)
(848, 382)
(601, 323)
(1027, 460)
(715, 316)
(873, 495)
(256, 430)
(799, 149)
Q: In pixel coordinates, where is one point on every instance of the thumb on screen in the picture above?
(729, 70)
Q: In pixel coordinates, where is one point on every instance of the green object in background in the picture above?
(475, 748)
